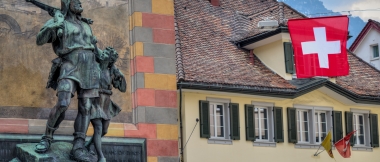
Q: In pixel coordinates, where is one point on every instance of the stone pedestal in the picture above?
(59, 152)
(20, 148)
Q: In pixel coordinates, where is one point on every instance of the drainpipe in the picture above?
(180, 119)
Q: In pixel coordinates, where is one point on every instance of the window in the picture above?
(375, 51)
(320, 126)
(310, 125)
(358, 122)
(366, 127)
(219, 120)
(263, 123)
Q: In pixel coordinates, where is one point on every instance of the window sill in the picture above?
(308, 146)
(219, 141)
(373, 59)
(264, 144)
(362, 148)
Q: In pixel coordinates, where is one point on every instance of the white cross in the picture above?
(321, 46)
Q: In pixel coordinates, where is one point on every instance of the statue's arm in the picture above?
(118, 79)
(48, 32)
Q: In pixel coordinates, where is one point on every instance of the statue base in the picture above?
(58, 152)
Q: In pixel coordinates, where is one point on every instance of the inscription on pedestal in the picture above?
(114, 149)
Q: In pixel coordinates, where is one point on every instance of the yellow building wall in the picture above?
(198, 150)
(272, 55)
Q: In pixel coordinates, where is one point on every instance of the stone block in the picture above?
(163, 7)
(163, 36)
(142, 34)
(159, 50)
(144, 64)
(165, 65)
(160, 81)
(161, 115)
(59, 151)
(145, 97)
(144, 130)
(152, 159)
(162, 148)
(157, 21)
(167, 159)
(166, 98)
(167, 132)
(141, 6)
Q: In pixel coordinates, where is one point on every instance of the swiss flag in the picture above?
(319, 46)
(343, 145)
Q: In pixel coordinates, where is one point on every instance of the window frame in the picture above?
(270, 120)
(366, 127)
(373, 51)
(311, 123)
(226, 117)
(215, 118)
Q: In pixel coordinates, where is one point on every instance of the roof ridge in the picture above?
(178, 52)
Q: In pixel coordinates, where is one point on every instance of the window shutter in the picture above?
(278, 126)
(289, 60)
(292, 125)
(349, 125)
(374, 130)
(337, 125)
(249, 123)
(204, 115)
(234, 121)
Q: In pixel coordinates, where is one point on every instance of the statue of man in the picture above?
(75, 70)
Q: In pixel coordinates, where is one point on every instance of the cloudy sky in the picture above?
(345, 5)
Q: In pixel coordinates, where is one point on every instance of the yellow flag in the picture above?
(327, 144)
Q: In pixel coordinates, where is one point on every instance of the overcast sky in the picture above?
(345, 5)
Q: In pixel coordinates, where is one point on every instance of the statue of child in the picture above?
(103, 109)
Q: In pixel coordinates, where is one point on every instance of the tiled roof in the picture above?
(363, 78)
(370, 24)
(207, 53)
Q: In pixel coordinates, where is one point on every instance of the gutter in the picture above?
(180, 121)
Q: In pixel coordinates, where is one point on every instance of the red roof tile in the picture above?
(207, 53)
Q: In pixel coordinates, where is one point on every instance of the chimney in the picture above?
(214, 2)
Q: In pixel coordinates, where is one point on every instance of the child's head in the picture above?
(109, 57)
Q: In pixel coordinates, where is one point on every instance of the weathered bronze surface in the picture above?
(81, 69)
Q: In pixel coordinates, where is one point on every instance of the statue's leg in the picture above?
(105, 124)
(57, 114)
(97, 124)
(82, 121)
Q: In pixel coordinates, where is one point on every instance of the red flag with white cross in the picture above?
(319, 46)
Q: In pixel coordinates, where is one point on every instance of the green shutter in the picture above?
(289, 58)
(374, 130)
(292, 125)
(249, 123)
(234, 121)
(204, 115)
(278, 126)
(337, 126)
(349, 125)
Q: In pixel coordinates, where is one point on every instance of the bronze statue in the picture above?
(103, 109)
(77, 69)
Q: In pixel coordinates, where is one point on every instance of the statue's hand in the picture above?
(94, 40)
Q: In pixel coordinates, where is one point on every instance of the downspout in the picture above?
(180, 119)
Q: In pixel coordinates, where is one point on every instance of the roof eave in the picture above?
(279, 92)
(261, 36)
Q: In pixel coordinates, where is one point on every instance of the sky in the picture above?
(345, 5)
